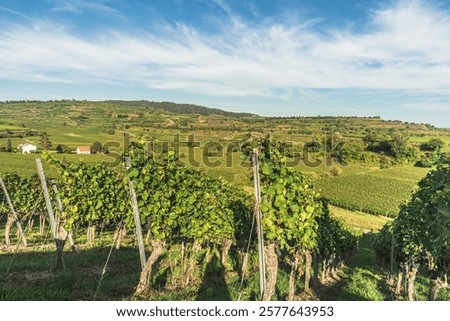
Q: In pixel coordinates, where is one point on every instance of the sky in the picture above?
(388, 58)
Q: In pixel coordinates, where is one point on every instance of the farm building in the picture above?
(85, 150)
(26, 148)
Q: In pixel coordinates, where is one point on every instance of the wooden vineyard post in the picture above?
(60, 240)
(58, 200)
(259, 230)
(41, 224)
(13, 212)
(48, 202)
(137, 223)
(392, 255)
(137, 220)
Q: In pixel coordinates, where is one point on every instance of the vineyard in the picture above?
(195, 226)
(69, 124)
(379, 191)
(199, 235)
(383, 191)
(173, 225)
(418, 240)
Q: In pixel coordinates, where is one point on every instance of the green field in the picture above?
(10, 127)
(25, 164)
(358, 220)
(360, 186)
(379, 191)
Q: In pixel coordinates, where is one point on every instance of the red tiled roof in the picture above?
(84, 148)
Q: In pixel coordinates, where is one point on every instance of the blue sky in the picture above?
(279, 57)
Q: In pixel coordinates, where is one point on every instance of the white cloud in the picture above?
(81, 6)
(405, 48)
(426, 106)
(223, 5)
(16, 13)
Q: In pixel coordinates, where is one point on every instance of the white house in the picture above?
(27, 148)
(84, 150)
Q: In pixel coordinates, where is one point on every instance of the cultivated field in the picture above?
(193, 182)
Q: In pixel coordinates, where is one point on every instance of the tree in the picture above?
(351, 150)
(9, 148)
(45, 141)
(312, 146)
(375, 142)
(333, 141)
(433, 145)
(97, 147)
(399, 145)
(63, 149)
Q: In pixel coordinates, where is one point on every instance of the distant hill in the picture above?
(181, 108)
(142, 116)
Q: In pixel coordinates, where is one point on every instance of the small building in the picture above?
(83, 150)
(27, 148)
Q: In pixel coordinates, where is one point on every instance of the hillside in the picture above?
(140, 116)
(343, 155)
(180, 108)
